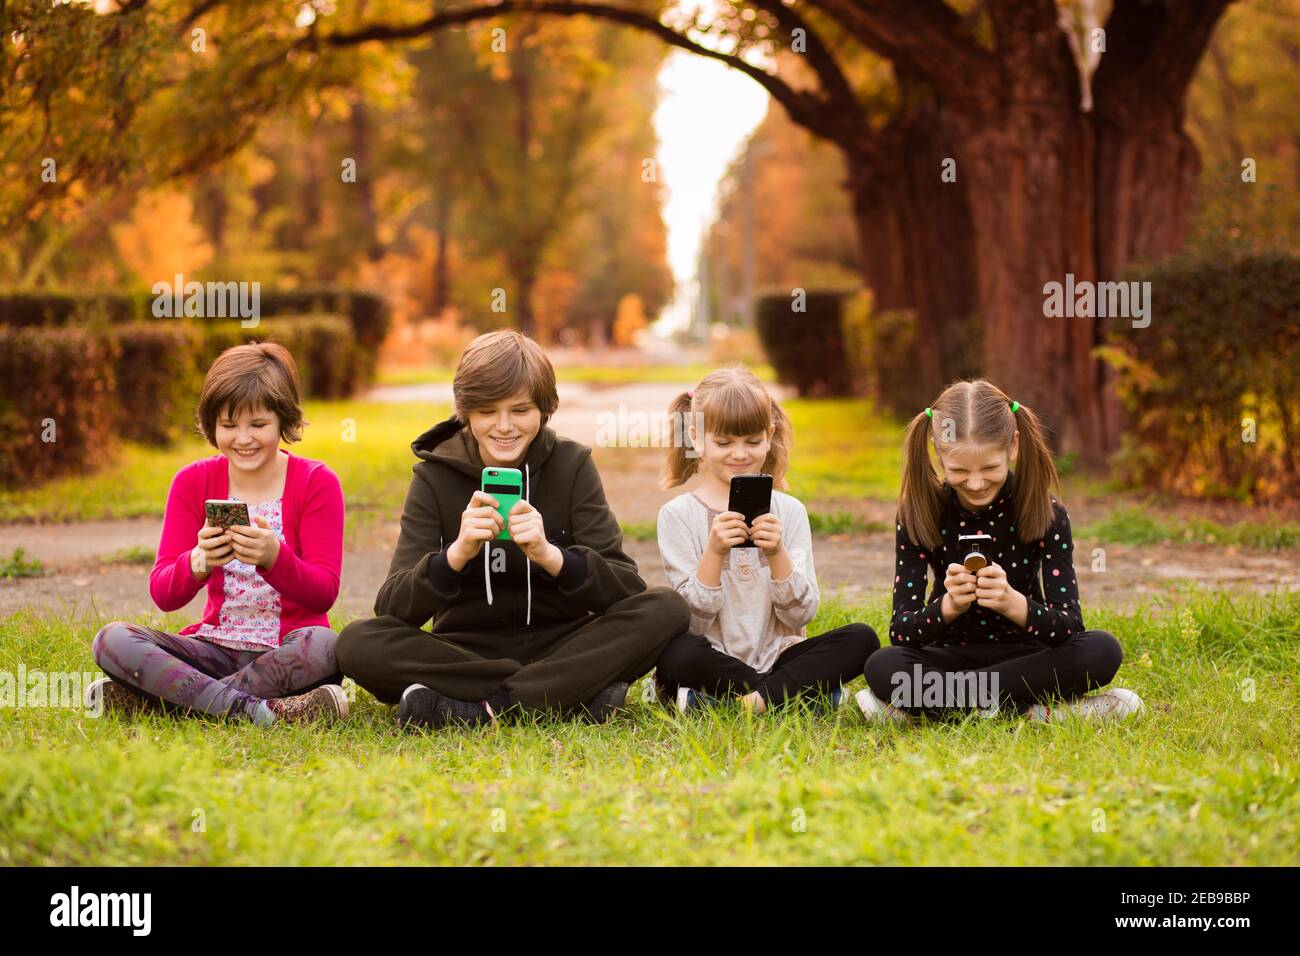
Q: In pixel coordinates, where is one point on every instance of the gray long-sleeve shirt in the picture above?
(748, 616)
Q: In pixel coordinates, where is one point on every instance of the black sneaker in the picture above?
(422, 706)
(606, 704)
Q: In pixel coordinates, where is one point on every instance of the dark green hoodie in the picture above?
(562, 483)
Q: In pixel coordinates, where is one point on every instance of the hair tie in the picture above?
(929, 413)
(1015, 407)
(690, 393)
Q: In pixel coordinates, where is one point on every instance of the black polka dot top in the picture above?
(1054, 614)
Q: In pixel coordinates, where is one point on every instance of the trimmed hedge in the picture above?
(322, 346)
(883, 355)
(158, 379)
(1220, 353)
(367, 312)
(806, 348)
(61, 379)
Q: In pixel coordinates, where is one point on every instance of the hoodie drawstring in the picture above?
(528, 565)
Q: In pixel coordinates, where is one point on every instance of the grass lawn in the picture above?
(1209, 776)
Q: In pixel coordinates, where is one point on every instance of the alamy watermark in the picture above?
(210, 300)
(944, 690)
(638, 429)
(49, 689)
(1101, 300)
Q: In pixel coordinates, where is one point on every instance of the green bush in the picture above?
(1218, 358)
(806, 348)
(158, 379)
(55, 383)
(367, 313)
(321, 345)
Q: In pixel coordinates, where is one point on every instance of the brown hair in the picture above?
(732, 401)
(245, 377)
(979, 412)
(498, 364)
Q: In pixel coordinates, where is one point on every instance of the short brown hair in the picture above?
(246, 376)
(498, 364)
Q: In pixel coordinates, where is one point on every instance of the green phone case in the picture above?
(506, 485)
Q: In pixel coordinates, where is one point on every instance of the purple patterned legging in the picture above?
(198, 675)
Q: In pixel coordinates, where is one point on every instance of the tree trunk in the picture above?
(916, 238)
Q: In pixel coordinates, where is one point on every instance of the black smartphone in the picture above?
(751, 495)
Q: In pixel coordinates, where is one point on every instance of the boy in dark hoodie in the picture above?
(568, 635)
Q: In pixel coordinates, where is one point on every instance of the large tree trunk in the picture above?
(1031, 191)
(916, 239)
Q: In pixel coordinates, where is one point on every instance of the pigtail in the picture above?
(778, 455)
(919, 503)
(680, 466)
(1036, 477)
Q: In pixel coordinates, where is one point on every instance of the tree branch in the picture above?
(924, 37)
(806, 109)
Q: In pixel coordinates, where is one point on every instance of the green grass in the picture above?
(843, 448)
(587, 374)
(1208, 777)
(132, 555)
(18, 565)
(1137, 526)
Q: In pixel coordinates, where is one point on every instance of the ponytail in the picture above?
(1036, 477)
(919, 503)
(680, 466)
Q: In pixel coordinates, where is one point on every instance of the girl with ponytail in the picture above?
(1002, 624)
(750, 606)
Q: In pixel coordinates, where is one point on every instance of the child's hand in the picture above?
(529, 532)
(960, 587)
(216, 552)
(257, 545)
(766, 533)
(728, 529)
(479, 522)
(993, 591)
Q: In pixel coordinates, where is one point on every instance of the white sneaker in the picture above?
(877, 711)
(1115, 703)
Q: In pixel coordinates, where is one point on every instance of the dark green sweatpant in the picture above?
(558, 667)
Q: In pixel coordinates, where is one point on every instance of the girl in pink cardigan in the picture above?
(263, 650)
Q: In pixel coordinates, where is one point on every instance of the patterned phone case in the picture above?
(223, 514)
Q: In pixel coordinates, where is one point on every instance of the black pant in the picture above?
(1025, 673)
(557, 668)
(818, 664)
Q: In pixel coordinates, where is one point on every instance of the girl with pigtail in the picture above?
(1001, 626)
(750, 606)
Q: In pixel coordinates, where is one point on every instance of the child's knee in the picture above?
(881, 667)
(1104, 654)
(101, 647)
(864, 636)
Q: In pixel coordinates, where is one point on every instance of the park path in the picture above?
(851, 566)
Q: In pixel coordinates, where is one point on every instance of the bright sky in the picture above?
(705, 112)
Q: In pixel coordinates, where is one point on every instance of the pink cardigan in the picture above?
(306, 571)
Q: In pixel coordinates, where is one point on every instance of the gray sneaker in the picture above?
(1116, 703)
(109, 696)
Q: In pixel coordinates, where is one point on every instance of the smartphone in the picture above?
(224, 512)
(506, 485)
(751, 495)
(973, 546)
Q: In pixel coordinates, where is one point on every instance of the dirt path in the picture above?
(852, 566)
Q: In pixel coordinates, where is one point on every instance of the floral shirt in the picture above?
(250, 613)
(1054, 614)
